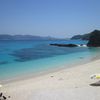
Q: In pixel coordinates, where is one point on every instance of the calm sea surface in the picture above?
(24, 57)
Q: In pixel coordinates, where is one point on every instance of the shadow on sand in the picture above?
(96, 83)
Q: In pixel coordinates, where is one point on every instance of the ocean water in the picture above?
(20, 58)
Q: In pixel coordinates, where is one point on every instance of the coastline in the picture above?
(62, 80)
(66, 66)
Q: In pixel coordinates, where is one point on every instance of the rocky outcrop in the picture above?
(65, 45)
(75, 37)
(94, 40)
(81, 37)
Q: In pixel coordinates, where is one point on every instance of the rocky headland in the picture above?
(94, 40)
(92, 37)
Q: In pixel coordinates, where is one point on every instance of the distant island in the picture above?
(23, 37)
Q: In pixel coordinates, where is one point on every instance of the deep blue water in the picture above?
(20, 51)
(24, 57)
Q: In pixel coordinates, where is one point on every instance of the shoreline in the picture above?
(56, 83)
(46, 72)
(75, 78)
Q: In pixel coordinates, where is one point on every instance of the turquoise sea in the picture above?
(21, 58)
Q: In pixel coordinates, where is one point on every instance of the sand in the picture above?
(67, 84)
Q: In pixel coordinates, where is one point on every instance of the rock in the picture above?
(94, 40)
(76, 37)
(95, 84)
(81, 37)
(4, 98)
(65, 45)
(1, 94)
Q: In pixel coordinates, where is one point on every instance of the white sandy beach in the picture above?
(66, 84)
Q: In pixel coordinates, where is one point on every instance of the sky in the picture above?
(56, 18)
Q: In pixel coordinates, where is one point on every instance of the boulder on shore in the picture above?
(94, 40)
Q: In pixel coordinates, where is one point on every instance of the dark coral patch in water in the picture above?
(3, 62)
(23, 54)
(43, 51)
(27, 54)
